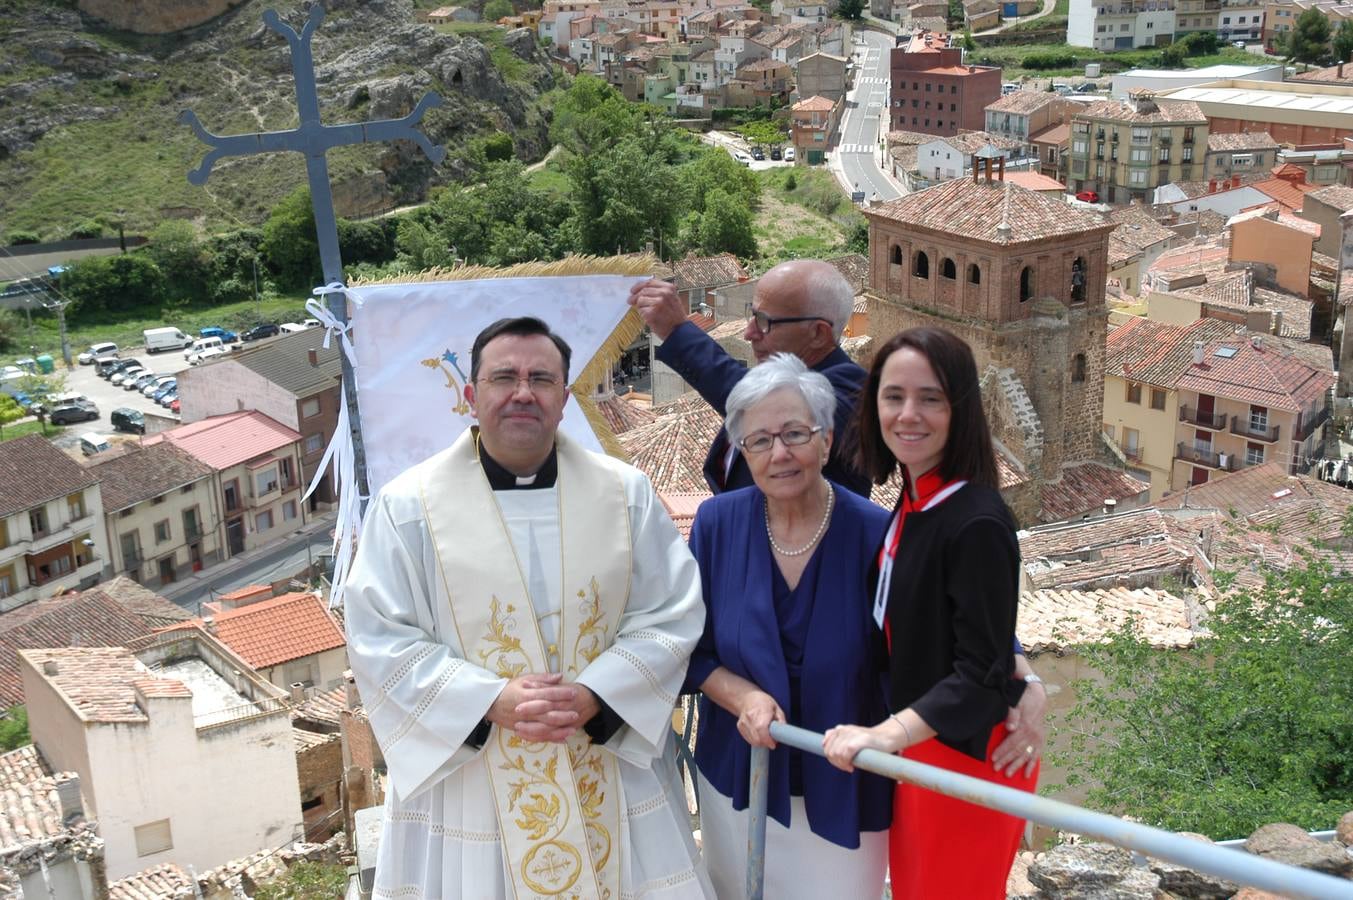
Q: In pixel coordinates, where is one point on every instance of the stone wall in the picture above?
(155, 16)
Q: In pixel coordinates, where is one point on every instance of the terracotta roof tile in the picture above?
(1035, 181)
(1155, 352)
(1254, 489)
(165, 881)
(1024, 102)
(1337, 74)
(1063, 619)
(682, 507)
(1108, 551)
(22, 766)
(814, 104)
(1138, 228)
(145, 472)
(87, 619)
(1266, 377)
(228, 440)
(621, 414)
(153, 609)
(976, 210)
(306, 740)
(972, 141)
(95, 681)
(1240, 141)
(854, 267)
(324, 709)
(671, 450)
(707, 271)
(287, 627)
(1164, 112)
(33, 471)
(1285, 192)
(1057, 134)
(1336, 195)
(31, 812)
(1084, 487)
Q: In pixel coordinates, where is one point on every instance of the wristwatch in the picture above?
(1032, 678)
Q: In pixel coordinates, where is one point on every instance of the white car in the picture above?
(128, 375)
(157, 384)
(104, 350)
(742, 157)
(789, 154)
(208, 354)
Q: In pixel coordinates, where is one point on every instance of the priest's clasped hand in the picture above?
(540, 707)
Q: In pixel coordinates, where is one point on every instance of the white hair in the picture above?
(780, 371)
(828, 294)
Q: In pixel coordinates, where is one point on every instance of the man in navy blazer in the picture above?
(799, 307)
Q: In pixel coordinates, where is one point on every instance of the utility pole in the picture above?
(121, 230)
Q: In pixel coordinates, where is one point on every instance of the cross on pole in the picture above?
(314, 139)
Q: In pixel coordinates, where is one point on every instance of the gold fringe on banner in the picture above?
(611, 349)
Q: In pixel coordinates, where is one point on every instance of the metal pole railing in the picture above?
(1224, 862)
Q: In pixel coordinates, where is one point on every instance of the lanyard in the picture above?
(888, 553)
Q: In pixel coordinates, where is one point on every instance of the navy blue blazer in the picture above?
(709, 369)
(843, 676)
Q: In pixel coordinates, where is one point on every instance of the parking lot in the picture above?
(108, 397)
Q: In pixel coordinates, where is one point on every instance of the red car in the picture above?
(174, 407)
(1088, 197)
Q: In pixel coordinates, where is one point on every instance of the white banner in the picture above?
(412, 345)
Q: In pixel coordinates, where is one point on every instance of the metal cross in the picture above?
(314, 139)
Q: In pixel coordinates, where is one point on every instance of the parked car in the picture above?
(132, 421)
(201, 344)
(71, 411)
(92, 443)
(168, 398)
(789, 154)
(168, 338)
(1088, 197)
(776, 153)
(140, 381)
(1062, 88)
(758, 154)
(1088, 87)
(149, 390)
(107, 368)
(258, 332)
(742, 157)
(174, 407)
(131, 372)
(206, 354)
(214, 331)
(27, 364)
(97, 351)
(167, 387)
(1009, 88)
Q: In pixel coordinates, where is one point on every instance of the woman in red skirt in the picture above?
(946, 592)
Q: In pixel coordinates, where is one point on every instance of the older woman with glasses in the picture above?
(788, 636)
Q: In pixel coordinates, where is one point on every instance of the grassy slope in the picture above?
(1009, 58)
(793, 224)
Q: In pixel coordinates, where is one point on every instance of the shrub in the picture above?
(791, 182)
(1044, 61)
(24, 237)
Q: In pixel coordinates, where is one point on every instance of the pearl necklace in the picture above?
(821, 528)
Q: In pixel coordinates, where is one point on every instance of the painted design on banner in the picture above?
(456, 380)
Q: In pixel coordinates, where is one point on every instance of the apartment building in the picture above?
(1244, 403)
(1240, 153)
(1123, 150)
(161, 507)
(1121, 24)
(812, 123)
(1280, 16)
(821, 75)
(52, 535)
(257, 465)
(1240, 20)
(1022, 114)
(933, 91)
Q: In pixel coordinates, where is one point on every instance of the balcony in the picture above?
(132, 561)
(191, 531)
(1114, 137)
(1214, 421)
(1307, 428)
(1099, 135)
(1226, 462)
(1165, 140)
(1242, 426)
(1188, 139)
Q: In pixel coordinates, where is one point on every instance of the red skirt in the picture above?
(941, 847)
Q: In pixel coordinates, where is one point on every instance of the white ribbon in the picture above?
(319, 308)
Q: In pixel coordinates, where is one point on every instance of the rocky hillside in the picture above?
(88, 113)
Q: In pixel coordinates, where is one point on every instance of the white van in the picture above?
(290, 327)
(92, 443)
(202, 344)
(169, 338)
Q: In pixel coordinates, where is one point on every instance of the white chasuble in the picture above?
(455, 590)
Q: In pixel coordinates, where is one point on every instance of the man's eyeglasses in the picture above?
(764, 323)
(793, 436)
(536, 382)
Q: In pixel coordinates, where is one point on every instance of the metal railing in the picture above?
(1224, 862)
(1244, 427)
(1210, 458)
(1310, 426)
(1214, 420)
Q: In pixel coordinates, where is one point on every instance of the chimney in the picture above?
(297, 692)
(313, 355)
(350, 695)
(1110, 505)
(49, 667)
(1212, 185)
(1235, 181)
(209, 624)
(68, 798)
(1341, 71)
(1199, 354)
(1257, 341)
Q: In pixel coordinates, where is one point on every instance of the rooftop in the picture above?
(815, 103)
(286, 627)
(1154, 112)
(1266, 98)
(1264, 376)
(165, 881)
(707, 271)
(854, 267)
(1024, 102)
(682, 507)
(31, 811)
(230, 439)
(1337, 74)
(622, 415)
(97, 682)
(1035, 181)
(1082, 488)
(671, 451)
(1240, 141)
(972, 141)
(1155, 352)
(33, 471)
(977, 210)
(1138, 228)
(285, 361)
(1057, 134)
(1335, 195)
(1061, 619)
(1131, 549)
(143, 473)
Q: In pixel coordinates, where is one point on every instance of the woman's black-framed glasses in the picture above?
(793, 436)
(764, 323)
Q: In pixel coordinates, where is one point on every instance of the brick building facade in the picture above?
(933, 91)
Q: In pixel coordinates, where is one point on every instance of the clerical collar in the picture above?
(500, 479)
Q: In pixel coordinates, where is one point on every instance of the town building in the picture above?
(1050, 146)
(1244, 403)
(1022, 114)
(52, 535)
(1281, 17)
(1322, 165)
(1325, 207)
(48, 847)
(933, 91)
(1158, 80)
(1123, 150)
(812, 124)
(1340, 73)
(1021, 277)
(940, 159)
(1139, 240)
(1120, 24)
(1240, 154)
(821, 75)
(293, 379)
(257, 461)
(162, 512)
(1298, 114)
(150, 730)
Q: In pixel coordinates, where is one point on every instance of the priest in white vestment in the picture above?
(520, 614)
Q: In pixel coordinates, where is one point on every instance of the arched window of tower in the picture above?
(948, 269)
(921, 268)
(897, 255)
(1078, 280)
(974, 274)
(1026, 284)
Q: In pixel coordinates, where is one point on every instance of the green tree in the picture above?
(14, 729)
(620, 198)
(289, 243)
(306, 881)
(592, 116)
(497, 9)
(713, 169)
(12, 330)
(1309, 41)
(969, 44)
(100, 286)
(726, 226)
(181, 257)
(1343, 41)
(762, 131)
(41, 389)
(1172, 57)
(850, 9)
(10, 411)
(1251, 726)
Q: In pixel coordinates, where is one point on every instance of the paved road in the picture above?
(865, 119)
(109, 397)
